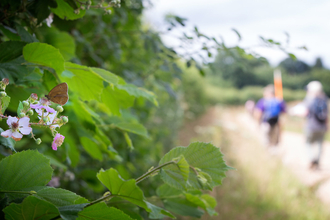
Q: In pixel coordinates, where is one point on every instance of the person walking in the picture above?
(268, 111)
(316, 121)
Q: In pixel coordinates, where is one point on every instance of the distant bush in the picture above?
(233, 96)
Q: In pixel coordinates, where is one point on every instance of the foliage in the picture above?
(113, 131)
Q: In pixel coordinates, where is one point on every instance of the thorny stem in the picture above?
(144, 176)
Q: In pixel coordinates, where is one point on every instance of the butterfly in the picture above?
(59, 94)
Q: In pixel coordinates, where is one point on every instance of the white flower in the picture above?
(18, 127)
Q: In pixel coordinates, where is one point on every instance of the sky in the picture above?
(306, 21)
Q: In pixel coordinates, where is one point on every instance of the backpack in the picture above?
(272, 111)
(319, 110)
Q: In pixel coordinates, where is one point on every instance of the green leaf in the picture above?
(178, 171)
(66, 12)
(206, 202)
(167, 191)
(292, 56)
(24, 169)
(70, 212)
(59, 197)
(139, 92)
(72, 151)
(20, 108)
(106, 75)
(4, 103)
(91, 147)
(83, 81)
(10, 33)
(7, 142)
(62, 41)
(25, 35)
(45, 55)
(31, 208)
(40, 9)
(14, 69)
(49, 80)
(115, 99)
(158, 212)
(128, 141)
(183, 207)
(238, 34)
(133, 127)
(10, 50)
(101, 211)
(201, 157)
(127, 190)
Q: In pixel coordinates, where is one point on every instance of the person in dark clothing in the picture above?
(316, 121)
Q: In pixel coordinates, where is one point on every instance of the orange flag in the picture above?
(278, 84)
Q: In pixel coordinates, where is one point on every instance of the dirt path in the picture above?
(293, 154)
(244, 133)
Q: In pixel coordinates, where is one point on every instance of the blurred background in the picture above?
(286, 35)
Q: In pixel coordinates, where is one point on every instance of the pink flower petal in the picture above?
(49, 109)
(24, 122)
(16, 135)
(11, 120)
(54, 146)
(6, 133)
(36, 106)
(25, 130)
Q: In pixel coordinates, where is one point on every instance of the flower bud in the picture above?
(21, 115)
(3, 94)
(5, 81)
(26, 103)
(59, 108)
(65, 119)
(45, 119)
(34, 96)
(38, 141)
(30, 112)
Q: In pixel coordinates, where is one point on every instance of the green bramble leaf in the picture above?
(45, 55)
(118, 187)
(62, 41)
(83, 81)
(60, 197)
(25, 35)
(4, 103)
(128, 141)
(23, 170)
(139, 92)
(10, 50)
(106, 75)
(115, 99)
(101, 211)
(158, 212)
(91, 147)
(70, 212)
(31, 208)
(182, 206)
(7, 142)
(20, 108)
(66, 12)
(201, 157)
(10, 33)
(206, 202)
